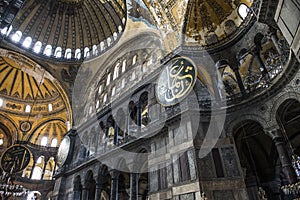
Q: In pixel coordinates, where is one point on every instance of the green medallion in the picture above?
(15, 159)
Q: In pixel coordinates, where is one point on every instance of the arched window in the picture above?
(100, 89)
(97, 104)
(16, 36)
(115, 35)
(27, 42)
(102, 46)
(50, 107)
(86, 52)
(116, 71)
(1, 102)
(108, 80)
(123, 83)
(105, 98)
(37, 173)
(123, 20)
(37, 47)
(48, 50)
(54, 142)
(58, 52)
(44, 141)
(77, 54)
(243, 11)
(4, 30)
(95, 50)
(120, 29)
(113, 91)
(108, 41)
(27, 108)
(134, 59)
(124, 66)
(68, 53)
(39, 160)
(133, 75)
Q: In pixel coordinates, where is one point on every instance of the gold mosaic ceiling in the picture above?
(197, 22)
(21, 83)
(24, 83)
(209, 21)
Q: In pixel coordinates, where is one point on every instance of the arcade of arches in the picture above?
(144, 99)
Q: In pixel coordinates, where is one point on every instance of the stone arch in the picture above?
(89, 186)
(288, 119)
(257, 155)
(77, 188)
(123, 179)
(142, 169)
(231, 124)
(11, 126)
(104, 180)
(141, 158)
(276, 103)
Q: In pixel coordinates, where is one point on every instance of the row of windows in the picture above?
(44, 141)
(28, 107)
(58, 53)
(115, 76)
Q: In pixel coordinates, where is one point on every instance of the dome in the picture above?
(68, 29)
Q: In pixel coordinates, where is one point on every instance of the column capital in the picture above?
(114, 174)
(274, 133)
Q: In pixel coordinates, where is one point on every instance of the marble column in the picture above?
(274, 39)
(33, 166)
(98, 191)
(116, 134)
(284, 157)
(134, 181)
(139, 118)
(106, 137)
(239, 79)
(85, 192)
(114, 193)
(76, 194)
(44, 169)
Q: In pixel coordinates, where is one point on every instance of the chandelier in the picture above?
(8, 188)
(293, 189)
(13, 160)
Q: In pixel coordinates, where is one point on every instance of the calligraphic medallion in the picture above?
(15, 159)
(176, 81)
(63, 151)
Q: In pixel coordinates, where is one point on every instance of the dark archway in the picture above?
(288, 117)
(77, 188)
(143, 181)
(258, 158)
(90, 186)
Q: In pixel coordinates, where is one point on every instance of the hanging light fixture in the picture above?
(293, 189)
(13, 160)
(8, 188)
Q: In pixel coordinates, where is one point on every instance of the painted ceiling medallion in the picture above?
(175, 81)
(25, 126)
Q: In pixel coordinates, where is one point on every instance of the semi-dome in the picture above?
(32, 99)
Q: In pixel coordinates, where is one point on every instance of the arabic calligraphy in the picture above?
(15, 159)
(175, 81)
